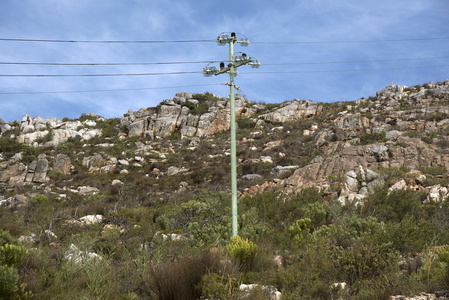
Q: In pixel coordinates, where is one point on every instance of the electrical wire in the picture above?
(113, 90)
(346, 42)
(106, 42)
(356, 61)
(110, 64)
(98, 75)
(210, 41)
(182, 73)
(336, 71)
(215, 61)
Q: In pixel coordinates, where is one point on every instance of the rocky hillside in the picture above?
(150, 175)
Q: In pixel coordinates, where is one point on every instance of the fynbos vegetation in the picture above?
(336, 201)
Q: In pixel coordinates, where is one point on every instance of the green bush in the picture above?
(371, 138)
(12, 255)
(9, 145)
(220, 286)
(300, 232)
(38, 199)
(394, 205)
(243, 252)
(6, 238)
(434, 170)
(8, 282)
(245, 123)
(364, 262)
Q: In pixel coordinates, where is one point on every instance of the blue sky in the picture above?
(312, 70)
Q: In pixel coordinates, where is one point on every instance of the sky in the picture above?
(319, 50)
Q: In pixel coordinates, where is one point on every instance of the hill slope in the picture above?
(352, 192)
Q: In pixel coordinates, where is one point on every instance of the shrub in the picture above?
(245, 123)
(8, 282)
(6, 238)
(394, 205)
(9, 145)
(243, 252)
(443, 256)
(29, 154)
(361, 262)
(300, 232)
(371, 138)
(219, 286)
(182, 280)
(12, 255)
(436, 170)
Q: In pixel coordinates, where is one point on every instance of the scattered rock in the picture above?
(266, 159)
(116, 182)
(281, 170)
(400, 185)
(252, 177)
(91, 219)
(274, 294)
(78, 257)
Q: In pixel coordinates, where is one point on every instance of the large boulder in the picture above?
(62, 163)
(37, 170)
(293, 111)
(350, 126)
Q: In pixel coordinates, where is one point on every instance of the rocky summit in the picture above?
(344, 200)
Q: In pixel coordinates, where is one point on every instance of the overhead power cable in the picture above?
(106, 42)
(210, 41)
(215, 61)
(181, 73)
(110, 64)
(336, 71)
(348, 42)
(355, 61)
(112, 90)
(98, 75)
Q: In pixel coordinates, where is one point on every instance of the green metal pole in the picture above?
(233, 144)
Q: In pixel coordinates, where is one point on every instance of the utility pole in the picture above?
(234, 62)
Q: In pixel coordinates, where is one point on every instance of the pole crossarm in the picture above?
(231, 69)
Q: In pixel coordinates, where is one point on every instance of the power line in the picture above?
(105, 42)
(356, 61)
(109, 64)
(210, 41)
(113, 90)
(98, 75)
(215, 61)
(336, 71)
(347, 42)
(182, 73)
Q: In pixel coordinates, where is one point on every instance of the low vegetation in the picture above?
(167, 235)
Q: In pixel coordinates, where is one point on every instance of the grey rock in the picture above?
(393, 135)
(293, 111)
(40, 172)
(371, 175)
(62, 163)
(18, 201)
(173, 171)
(123, 162)
(252, 176)
(379, 149)
(281, 170)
